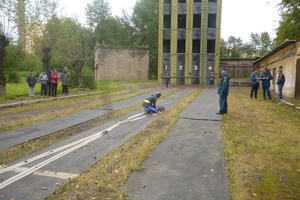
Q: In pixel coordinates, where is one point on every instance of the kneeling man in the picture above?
(149, 104)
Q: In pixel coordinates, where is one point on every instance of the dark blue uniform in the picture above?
(266, 78)
(150, 104)
(223, 91)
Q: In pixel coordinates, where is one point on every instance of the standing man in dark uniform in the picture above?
(223, 91)
(254, 83)
(266, 78)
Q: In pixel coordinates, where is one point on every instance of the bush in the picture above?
(13, 76)
(88, 78)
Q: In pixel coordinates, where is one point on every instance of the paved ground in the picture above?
(56, 168)
(189, 165)
(18, 136)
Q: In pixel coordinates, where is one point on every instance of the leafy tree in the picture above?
(97, 12)
(289, 26)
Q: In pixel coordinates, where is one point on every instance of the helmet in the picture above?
(158, 94)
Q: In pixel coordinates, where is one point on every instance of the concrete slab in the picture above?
(189, 164)
(18, 136)
(29, 188)
(204, 107)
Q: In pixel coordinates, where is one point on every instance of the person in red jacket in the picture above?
(54, 82)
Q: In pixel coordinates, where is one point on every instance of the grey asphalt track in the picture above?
(189, 164)
(30, 187)
(21, 135)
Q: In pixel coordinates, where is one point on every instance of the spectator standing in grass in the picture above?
(49, 84)
(280, 83)
(266, 78)
(65, 80)
(43, 78)
(31, 81)
(254, 83)
(223, 91)
(54, 82)
(211, 79)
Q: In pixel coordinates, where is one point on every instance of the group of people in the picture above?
(266, 78)
(49, 80)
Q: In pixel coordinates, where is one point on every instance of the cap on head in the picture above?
(158, 94)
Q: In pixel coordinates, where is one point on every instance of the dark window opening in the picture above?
(167, 46)
(197, 0)
(167, 21)
(196, 46)
(211, 46)
(181, 21)
(212, 20)
(197, 21)
(212, 0)
(181, 46)
(181, 1)
(168, 1)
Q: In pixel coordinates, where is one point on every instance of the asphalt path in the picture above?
(21, 135)
(38, 175)
(189, 164)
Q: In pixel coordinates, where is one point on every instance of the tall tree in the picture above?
(97, 12)
(289, 25)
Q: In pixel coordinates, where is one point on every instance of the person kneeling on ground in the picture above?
(150, 104)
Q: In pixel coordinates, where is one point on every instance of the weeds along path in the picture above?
(37, 174)
(28, 147)
(13, 118)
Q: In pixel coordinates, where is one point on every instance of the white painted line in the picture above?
(59, 175)
(64, 151)
(138, 118)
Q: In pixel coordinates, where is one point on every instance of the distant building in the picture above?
(121, 63)
(238, 67)
(189, 40)
(33, 31)
(287, 57)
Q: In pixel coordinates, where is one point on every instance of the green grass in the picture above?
(262, 147)
(295, 102)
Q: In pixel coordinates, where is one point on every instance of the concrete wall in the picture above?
(286, 57)
(238, 68)
(121, 63)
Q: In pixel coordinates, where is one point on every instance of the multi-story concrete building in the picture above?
(189, 40)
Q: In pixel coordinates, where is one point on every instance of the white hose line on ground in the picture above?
(61, 154)
(10, 168)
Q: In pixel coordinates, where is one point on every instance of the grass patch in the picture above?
(262, 147)
(21, 150)
(12, 118)
(296, 102)
(105, 179)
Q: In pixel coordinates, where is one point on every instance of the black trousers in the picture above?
(54, 90)
(65, 89)
(254, 90)
(49, 89)
(267, 90)
(44, 89)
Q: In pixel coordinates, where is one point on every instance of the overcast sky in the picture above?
(239, 17)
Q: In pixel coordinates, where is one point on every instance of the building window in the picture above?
(197, 21)
(167, 46)
(181, 1)
(197, 1)
(182, 21)
(212, 0)
(181, 46)
(212, 20)
(167, 21)
(167, 1)
(211, 46)
(196, 46)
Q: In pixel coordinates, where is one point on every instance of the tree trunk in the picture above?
(3, 43)
(46, 58)
(78, 70)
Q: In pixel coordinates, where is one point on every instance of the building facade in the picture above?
(286, 57)
(238, 67)
(121, 63)
(189, 40)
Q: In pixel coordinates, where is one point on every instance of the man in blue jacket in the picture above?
(254, 83)
(266, 78)
(223, 91)
(280, 83)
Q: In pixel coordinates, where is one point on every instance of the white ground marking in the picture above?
(66, 149)
(60, 175)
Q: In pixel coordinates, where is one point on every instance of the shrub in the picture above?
(13, 76)
(88, 78)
